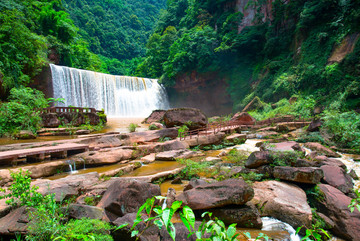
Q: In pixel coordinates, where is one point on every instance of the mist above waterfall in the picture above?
(120, 96)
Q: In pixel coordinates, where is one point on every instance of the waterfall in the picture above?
(72, 166)
(120, 96)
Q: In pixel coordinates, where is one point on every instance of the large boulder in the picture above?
(106, 156)
(286, 202)
(205, 140)
(155, 116)
(193, 118)
(334, 204)
(25, 135)
(245, 216)
(321, 149)
(78, 211)
(315, 125)
(15, 222)
(257, 159)
(337, 177)
(218, 194)
(126, 196)
(50, 120)
(244, 118)
(311, 175)
(324, 160)
(67, 187)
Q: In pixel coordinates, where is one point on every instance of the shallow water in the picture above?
(153, 168)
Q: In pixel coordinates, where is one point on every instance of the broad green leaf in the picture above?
(298, 229)
(325, 233)
(172, 231)
(176, 205)
(231, 230)
(134, 233)
(166, 216)
(158, 223)
(121, 226)
(247, 234)
(189, 215)
(185, 222)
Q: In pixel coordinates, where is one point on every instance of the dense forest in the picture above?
(36, 32)
(272, 57)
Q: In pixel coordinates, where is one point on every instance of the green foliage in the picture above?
(261, 236)
(115, 30)
(237, 157)
(21, 193)
(284, 158)
(311, 137)
(193, 168)
(355, 203)
(153, 127)
(182, 131)
(343, 127)
(85, 229)
(313, 233)
(132, 127)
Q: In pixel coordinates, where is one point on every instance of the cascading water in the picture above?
(120, 96)
(72, 166)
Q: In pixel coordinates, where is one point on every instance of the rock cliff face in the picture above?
(205, 91)
(253, 15)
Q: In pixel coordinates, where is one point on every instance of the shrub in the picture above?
(153, 127)
(343, 127)
(132, 127)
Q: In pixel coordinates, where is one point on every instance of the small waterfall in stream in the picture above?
(120, 96)
(72, 166)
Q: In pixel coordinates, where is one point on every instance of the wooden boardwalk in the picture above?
(39, 153)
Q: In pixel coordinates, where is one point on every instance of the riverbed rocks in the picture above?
(211, 139)
(155, 116)
(286, 202)
(334, 204)
(126, 196)
(257, 159)
(14, 222)
(193, 118)
(244, 118)
(245, 216)
(310, 175)
(173, 155)
(75, 118)
(78, 211)
(321, 149)
(67, 187)
(25, 135)
(105, 156)
(338, 178)
(218, 194)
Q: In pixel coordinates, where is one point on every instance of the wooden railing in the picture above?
(68, 110)
(215, 127)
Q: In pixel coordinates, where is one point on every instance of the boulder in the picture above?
(194, 182)
(126, 196)
(334, 204)
(160, 147)
(245, 216)
(257, 158)
(286, 202)
(236, 137)
(50, 120)
(218, 194)
(314, 125)
(82, 132)
(173, 155)
(311, 175)
(155, 116)
(15, 222)
(324, 160)
(282, 146)
(244, 118)
(78, 211)
(67, 187)
(148, 158)
(106, 156)
(205, 140)
(148, 136)
(193, 118)
(321, 149)
(337, 177)
(25, 135)
(151, 233)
